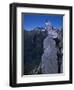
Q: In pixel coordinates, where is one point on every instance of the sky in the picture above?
(31, 21)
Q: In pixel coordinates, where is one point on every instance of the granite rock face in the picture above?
(52, 56)
(49, 57)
